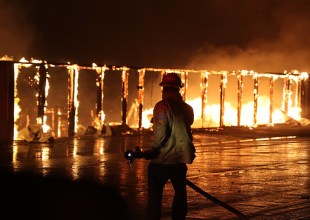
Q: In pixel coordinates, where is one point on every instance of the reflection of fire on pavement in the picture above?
(34, 133)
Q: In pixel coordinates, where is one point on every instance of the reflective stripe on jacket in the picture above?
(172, 120)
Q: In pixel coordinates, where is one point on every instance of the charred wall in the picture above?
(6, 101)
(305, 99)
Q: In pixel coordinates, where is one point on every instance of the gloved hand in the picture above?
(148, 154)
(138, 153)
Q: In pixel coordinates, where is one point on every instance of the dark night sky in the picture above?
(263, 35)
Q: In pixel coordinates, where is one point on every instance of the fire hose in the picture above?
(131, 155)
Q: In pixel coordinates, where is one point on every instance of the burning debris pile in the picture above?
(259, 99)
(34, 133)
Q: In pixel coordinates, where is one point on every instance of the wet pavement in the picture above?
(267, 178)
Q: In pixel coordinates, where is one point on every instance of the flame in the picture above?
(98, 121)
(74, 74)
(17, 108)
(59, 114)
(45, 127)
(212, 113)
(206, 114)
(146, 118)
(76, 101)
(36, 79)
(6, 57)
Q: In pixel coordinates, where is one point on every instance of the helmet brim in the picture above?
(170, 84)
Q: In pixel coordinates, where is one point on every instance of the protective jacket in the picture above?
(172, 120)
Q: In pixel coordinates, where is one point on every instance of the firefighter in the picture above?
(172, 120)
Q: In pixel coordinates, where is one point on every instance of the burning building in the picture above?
(65, 100)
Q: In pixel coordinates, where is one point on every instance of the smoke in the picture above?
(285, 48)
(16, 30)
(265, 36)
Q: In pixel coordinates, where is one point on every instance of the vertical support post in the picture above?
(204, 95)
(140, 88)
(240, 91)
(55, 121)
(100, 96)
(42, 72)
(255, 92)
(72, 100)
(271, 85)
(184, 78)
(304, 99)
(298, 95)
(6, 101)
(125, 74)
(17, 108)
(99, 93)
(59, 121)
(222, 97)
(162, 73)
(286, 93)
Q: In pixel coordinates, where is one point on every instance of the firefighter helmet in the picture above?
(171, 79)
